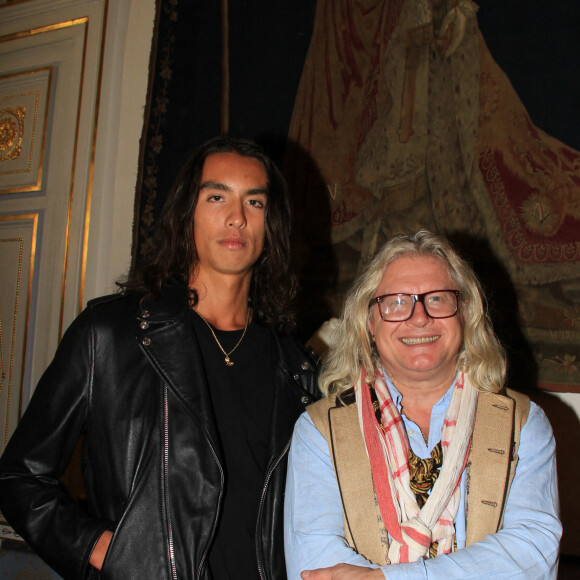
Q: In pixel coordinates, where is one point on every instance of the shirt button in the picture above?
(411, 432)
(146, 341)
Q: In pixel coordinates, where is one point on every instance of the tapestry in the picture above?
(388, 116)
(412, 125)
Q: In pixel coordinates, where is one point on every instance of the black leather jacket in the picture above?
(151, 463)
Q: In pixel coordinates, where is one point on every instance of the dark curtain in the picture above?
(267, 46)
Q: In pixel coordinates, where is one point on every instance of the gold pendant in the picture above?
(228, 361)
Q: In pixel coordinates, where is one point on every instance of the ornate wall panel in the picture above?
(50, 75)
(23, 114)
(18, 238)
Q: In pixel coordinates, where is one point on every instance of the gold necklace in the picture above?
(227, 359)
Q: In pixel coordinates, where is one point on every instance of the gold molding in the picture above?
(33, 241)
(72, 184)
(38, 185)
(88, 200)
(43, 29)
(91, 175)
(20, 241)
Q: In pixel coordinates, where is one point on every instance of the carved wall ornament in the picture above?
(11, 132)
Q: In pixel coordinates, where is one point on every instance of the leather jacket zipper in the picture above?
(166, 493)
(165, 476)
(261, 506)
(215, 520)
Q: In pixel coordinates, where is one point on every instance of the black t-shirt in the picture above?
(242, 397)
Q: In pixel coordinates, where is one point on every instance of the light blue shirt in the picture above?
(525, 548)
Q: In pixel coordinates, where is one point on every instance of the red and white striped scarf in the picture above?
(412, 529)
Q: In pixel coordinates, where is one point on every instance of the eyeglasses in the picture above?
(400, 307)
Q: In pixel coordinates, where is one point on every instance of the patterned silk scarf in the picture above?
(424, 473)
(413, 528)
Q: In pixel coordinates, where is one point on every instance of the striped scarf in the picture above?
(413, 529)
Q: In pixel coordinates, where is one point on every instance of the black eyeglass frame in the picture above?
(416, 298)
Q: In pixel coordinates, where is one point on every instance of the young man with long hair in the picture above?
(185, 386)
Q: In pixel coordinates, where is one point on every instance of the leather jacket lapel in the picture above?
(168, 339)
(290, 395)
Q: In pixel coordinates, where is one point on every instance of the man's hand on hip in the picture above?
(100, 550)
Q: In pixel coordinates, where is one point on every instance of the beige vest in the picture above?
(490, 468)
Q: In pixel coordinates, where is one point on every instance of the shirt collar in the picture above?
(396, 395)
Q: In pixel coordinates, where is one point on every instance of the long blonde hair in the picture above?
(480, 356)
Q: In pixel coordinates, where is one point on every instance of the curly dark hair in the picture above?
(274, 282)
